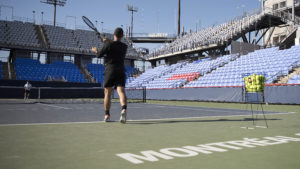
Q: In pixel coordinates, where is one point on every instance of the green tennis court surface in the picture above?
(157, 143)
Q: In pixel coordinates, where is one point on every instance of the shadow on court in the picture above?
(196, 121)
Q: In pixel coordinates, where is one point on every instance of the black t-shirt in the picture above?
(114, 53)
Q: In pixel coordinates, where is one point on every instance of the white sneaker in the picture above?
(123, 116)
(107, 118)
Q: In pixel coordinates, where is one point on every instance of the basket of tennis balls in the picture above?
(254, 83)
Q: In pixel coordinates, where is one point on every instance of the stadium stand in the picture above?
(18, 33)
(189, 72)
(207, 36)
(33, 70)
(79, 40)
(227, 70)
(87, 40)
(97, 71)
(147, 77)
(130, 71)
(271, 62)
(61, 38)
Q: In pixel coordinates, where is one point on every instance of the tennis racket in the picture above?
(92, 26)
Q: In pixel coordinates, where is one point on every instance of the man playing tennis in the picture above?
(114, 75)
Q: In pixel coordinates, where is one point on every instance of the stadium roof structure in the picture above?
(262, 22)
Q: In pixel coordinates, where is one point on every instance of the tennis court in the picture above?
(38, 135)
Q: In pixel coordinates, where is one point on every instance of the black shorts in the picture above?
(27, 91)
(114, 76)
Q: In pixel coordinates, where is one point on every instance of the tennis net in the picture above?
(62, 95)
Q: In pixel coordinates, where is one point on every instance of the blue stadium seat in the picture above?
(97, 70)
(223, 71)
(33, 70)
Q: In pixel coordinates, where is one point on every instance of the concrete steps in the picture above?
(285, 79)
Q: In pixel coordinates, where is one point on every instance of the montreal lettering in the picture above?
(190, 151)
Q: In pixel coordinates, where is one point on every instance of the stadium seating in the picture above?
(97, 71)
(18, 33)
(87, 40)
(33, 70)
(207, 36)
(79, 40)
(271, 62)
(189, 72)
(61, 38)
(146, 79)
(295, 79)
(130, 71)
(227, 70)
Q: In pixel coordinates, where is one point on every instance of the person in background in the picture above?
(27, 88)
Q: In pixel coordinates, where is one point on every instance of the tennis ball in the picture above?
(259, 88)
(248, 88)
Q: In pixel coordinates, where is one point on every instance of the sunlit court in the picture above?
(142, 84)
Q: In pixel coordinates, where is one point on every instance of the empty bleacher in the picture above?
(97, 71)
(178, 75)
(33, 70)
(60, 38)
(207, 36)
(227, 70)
(271, 62)
(18, 33)
(146, 79)
(130, 71)
(189, 72)
(87, 40)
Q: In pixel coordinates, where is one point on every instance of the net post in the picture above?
(144, 94)
(39, 95)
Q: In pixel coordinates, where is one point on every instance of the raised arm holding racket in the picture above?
(114, 75)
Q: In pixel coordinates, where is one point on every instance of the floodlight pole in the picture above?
(42, 21)
(33, 12)
(131, 22)
(178, 28)
(293, 12)
(131, 9)
(54, 19)
(55, 3)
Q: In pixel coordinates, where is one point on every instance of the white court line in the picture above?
(60, 107)
(140, 120)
